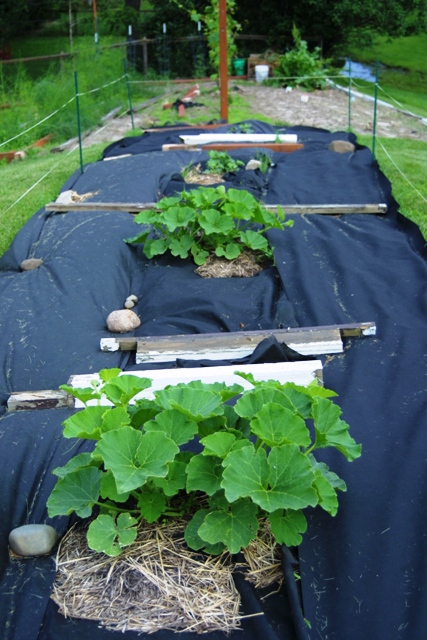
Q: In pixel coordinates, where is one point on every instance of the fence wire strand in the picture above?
(38, 123)
(104, 86)
(401, 172)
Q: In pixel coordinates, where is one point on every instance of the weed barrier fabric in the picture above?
(362, 572)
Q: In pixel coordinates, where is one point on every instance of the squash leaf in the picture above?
(105, 535)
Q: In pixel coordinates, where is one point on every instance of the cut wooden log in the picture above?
(301, 373)
(235, 345)
(47, 399)
(302, 209)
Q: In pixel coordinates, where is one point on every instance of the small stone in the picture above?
(31, 263)
(131, 301)
(252, 165)
(342, 146)
(122, 321)
(33, 540)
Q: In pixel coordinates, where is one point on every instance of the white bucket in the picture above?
(261, 72)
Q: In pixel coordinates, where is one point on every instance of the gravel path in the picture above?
(326, 109)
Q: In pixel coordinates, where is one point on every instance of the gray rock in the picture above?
(252, 165)
(131, 301)
(33, 540)
(342, 146)
(122, 321)
(31, 263)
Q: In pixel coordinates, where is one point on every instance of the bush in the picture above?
(301, 67)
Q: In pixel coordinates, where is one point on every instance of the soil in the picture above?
(327, 109)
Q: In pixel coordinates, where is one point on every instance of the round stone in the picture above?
(30, 264)
(122, 321)
(342, 146)
(33, 540)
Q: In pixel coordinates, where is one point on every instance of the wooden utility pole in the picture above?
(223, 59)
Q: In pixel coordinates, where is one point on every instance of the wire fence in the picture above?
(125, 77)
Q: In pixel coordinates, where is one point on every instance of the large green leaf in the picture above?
(156, 247)
(276, 425)
(108, 374)
(77, 491)
(218, 444)
(194, 403)
(180, 246)
(213, 221)
(133, 457)
(84, 395)
(80, 460)
(326, 484)
(193, 539)
(332, 431)
(282, 481)
(235, 528)
(175, 479)
(240, 204)
(225, 391)
(174, 424)
(204, 473)
(152, 503)
(115, 418)
(254, 240)
(85, 424)
(109, 491)
(288, 526)
(178, 216)
(122, 389)
(253, 401)
(107, 536)
(142, 411)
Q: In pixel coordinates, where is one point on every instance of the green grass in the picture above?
(403, 81)
(410, 156)
(19, 176)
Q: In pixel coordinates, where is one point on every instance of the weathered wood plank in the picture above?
(232, 345)
(136, 207)
(226, 346)
(301, 373)
(47, 399)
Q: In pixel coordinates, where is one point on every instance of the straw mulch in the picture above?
(196, 176)
(156, 583)
(263, 558)
(244, 266)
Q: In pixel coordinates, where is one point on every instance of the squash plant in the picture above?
(209, 220)
(255, 461)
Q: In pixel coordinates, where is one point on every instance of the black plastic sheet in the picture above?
(362, 572)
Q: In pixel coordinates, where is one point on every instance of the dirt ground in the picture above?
(326, 109)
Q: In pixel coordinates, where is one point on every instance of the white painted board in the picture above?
(204, 138)
(301, 373)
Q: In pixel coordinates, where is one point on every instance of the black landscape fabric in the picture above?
(362, 572)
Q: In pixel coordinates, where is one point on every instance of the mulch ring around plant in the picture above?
(196, 176)
(246, 265)
(157, 582)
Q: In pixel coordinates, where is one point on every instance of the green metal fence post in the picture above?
(349, 95)
(374, 127)
(78, 121)
(129, 95)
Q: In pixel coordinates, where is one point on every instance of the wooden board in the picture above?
(301, 373)
(282, 147)
(48, 399)
(234, 345)
(136, 207)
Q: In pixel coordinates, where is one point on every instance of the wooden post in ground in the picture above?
(223, 59)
